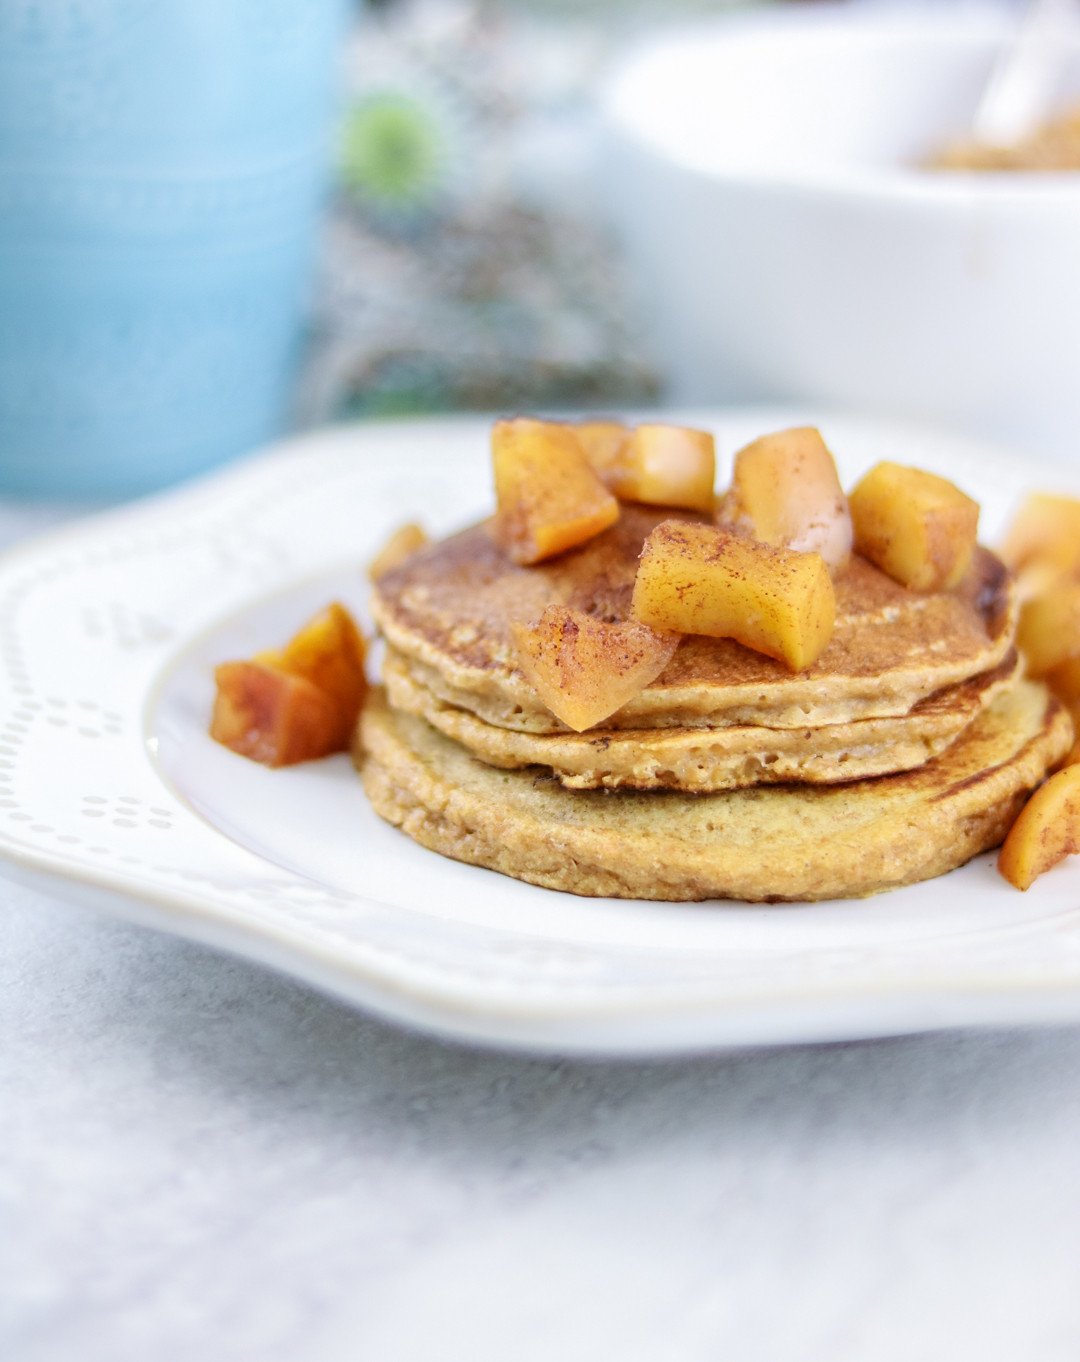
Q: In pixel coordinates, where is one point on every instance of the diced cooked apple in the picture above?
(667, 466)
(329, 652)
(1072, 757)
(915, 526)
(264, 713)
(659, 464)
(1043, 543)
(548, 498)
(1038, 577)
(585, 669)
(696, 579)
(604, 445)
(1064, 679)
(402, 544)
(295, 703)
(1045, 530)
(785, 491)
(1049, 630)
(1047, 830)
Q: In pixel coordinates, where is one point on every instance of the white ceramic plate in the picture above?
(108, 633)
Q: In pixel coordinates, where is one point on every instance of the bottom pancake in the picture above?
(779, 842)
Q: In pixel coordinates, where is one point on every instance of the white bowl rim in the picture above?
(907, 183)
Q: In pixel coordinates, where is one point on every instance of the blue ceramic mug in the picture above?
(162, 166)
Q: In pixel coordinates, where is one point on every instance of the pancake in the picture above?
(781, 842)
(703, 759)
(448, 610)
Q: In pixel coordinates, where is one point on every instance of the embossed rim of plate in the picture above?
(85, 642)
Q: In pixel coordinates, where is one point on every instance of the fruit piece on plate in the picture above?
(264, 713)
(584, 669)
(785, 491)
(1047, 830)
(1049, 631)
(1044, 532)
(666, 466)
(402, 544)
(295, 703)
(329, 652)
(697, 579)
(915, 526)
(548, 498)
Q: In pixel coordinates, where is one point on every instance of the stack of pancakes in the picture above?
(905, 750)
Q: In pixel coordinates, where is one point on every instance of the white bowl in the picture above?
(764, 173)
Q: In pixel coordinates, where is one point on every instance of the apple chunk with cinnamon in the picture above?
(1049, 629)
(1064, 681)
(697, 579)
(275, 719)
(584, 669)
(1047, 830)
(916, 526)
(399, 548)
(1043, 542)
(662, 465)
(295, 703)
(548, 497)
(604, 444)
(785, 491)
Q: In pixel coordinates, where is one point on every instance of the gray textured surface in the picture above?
(200, 1159)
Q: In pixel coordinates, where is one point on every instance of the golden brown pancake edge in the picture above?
(707, 759)
(449, 607)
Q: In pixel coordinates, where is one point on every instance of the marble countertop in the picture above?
(199, 1159)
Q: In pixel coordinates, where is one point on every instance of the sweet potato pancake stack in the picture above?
(621, 685)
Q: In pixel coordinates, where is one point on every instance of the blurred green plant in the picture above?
(393, 152)
(467, 262)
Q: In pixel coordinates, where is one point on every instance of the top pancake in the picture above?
(449, 607)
